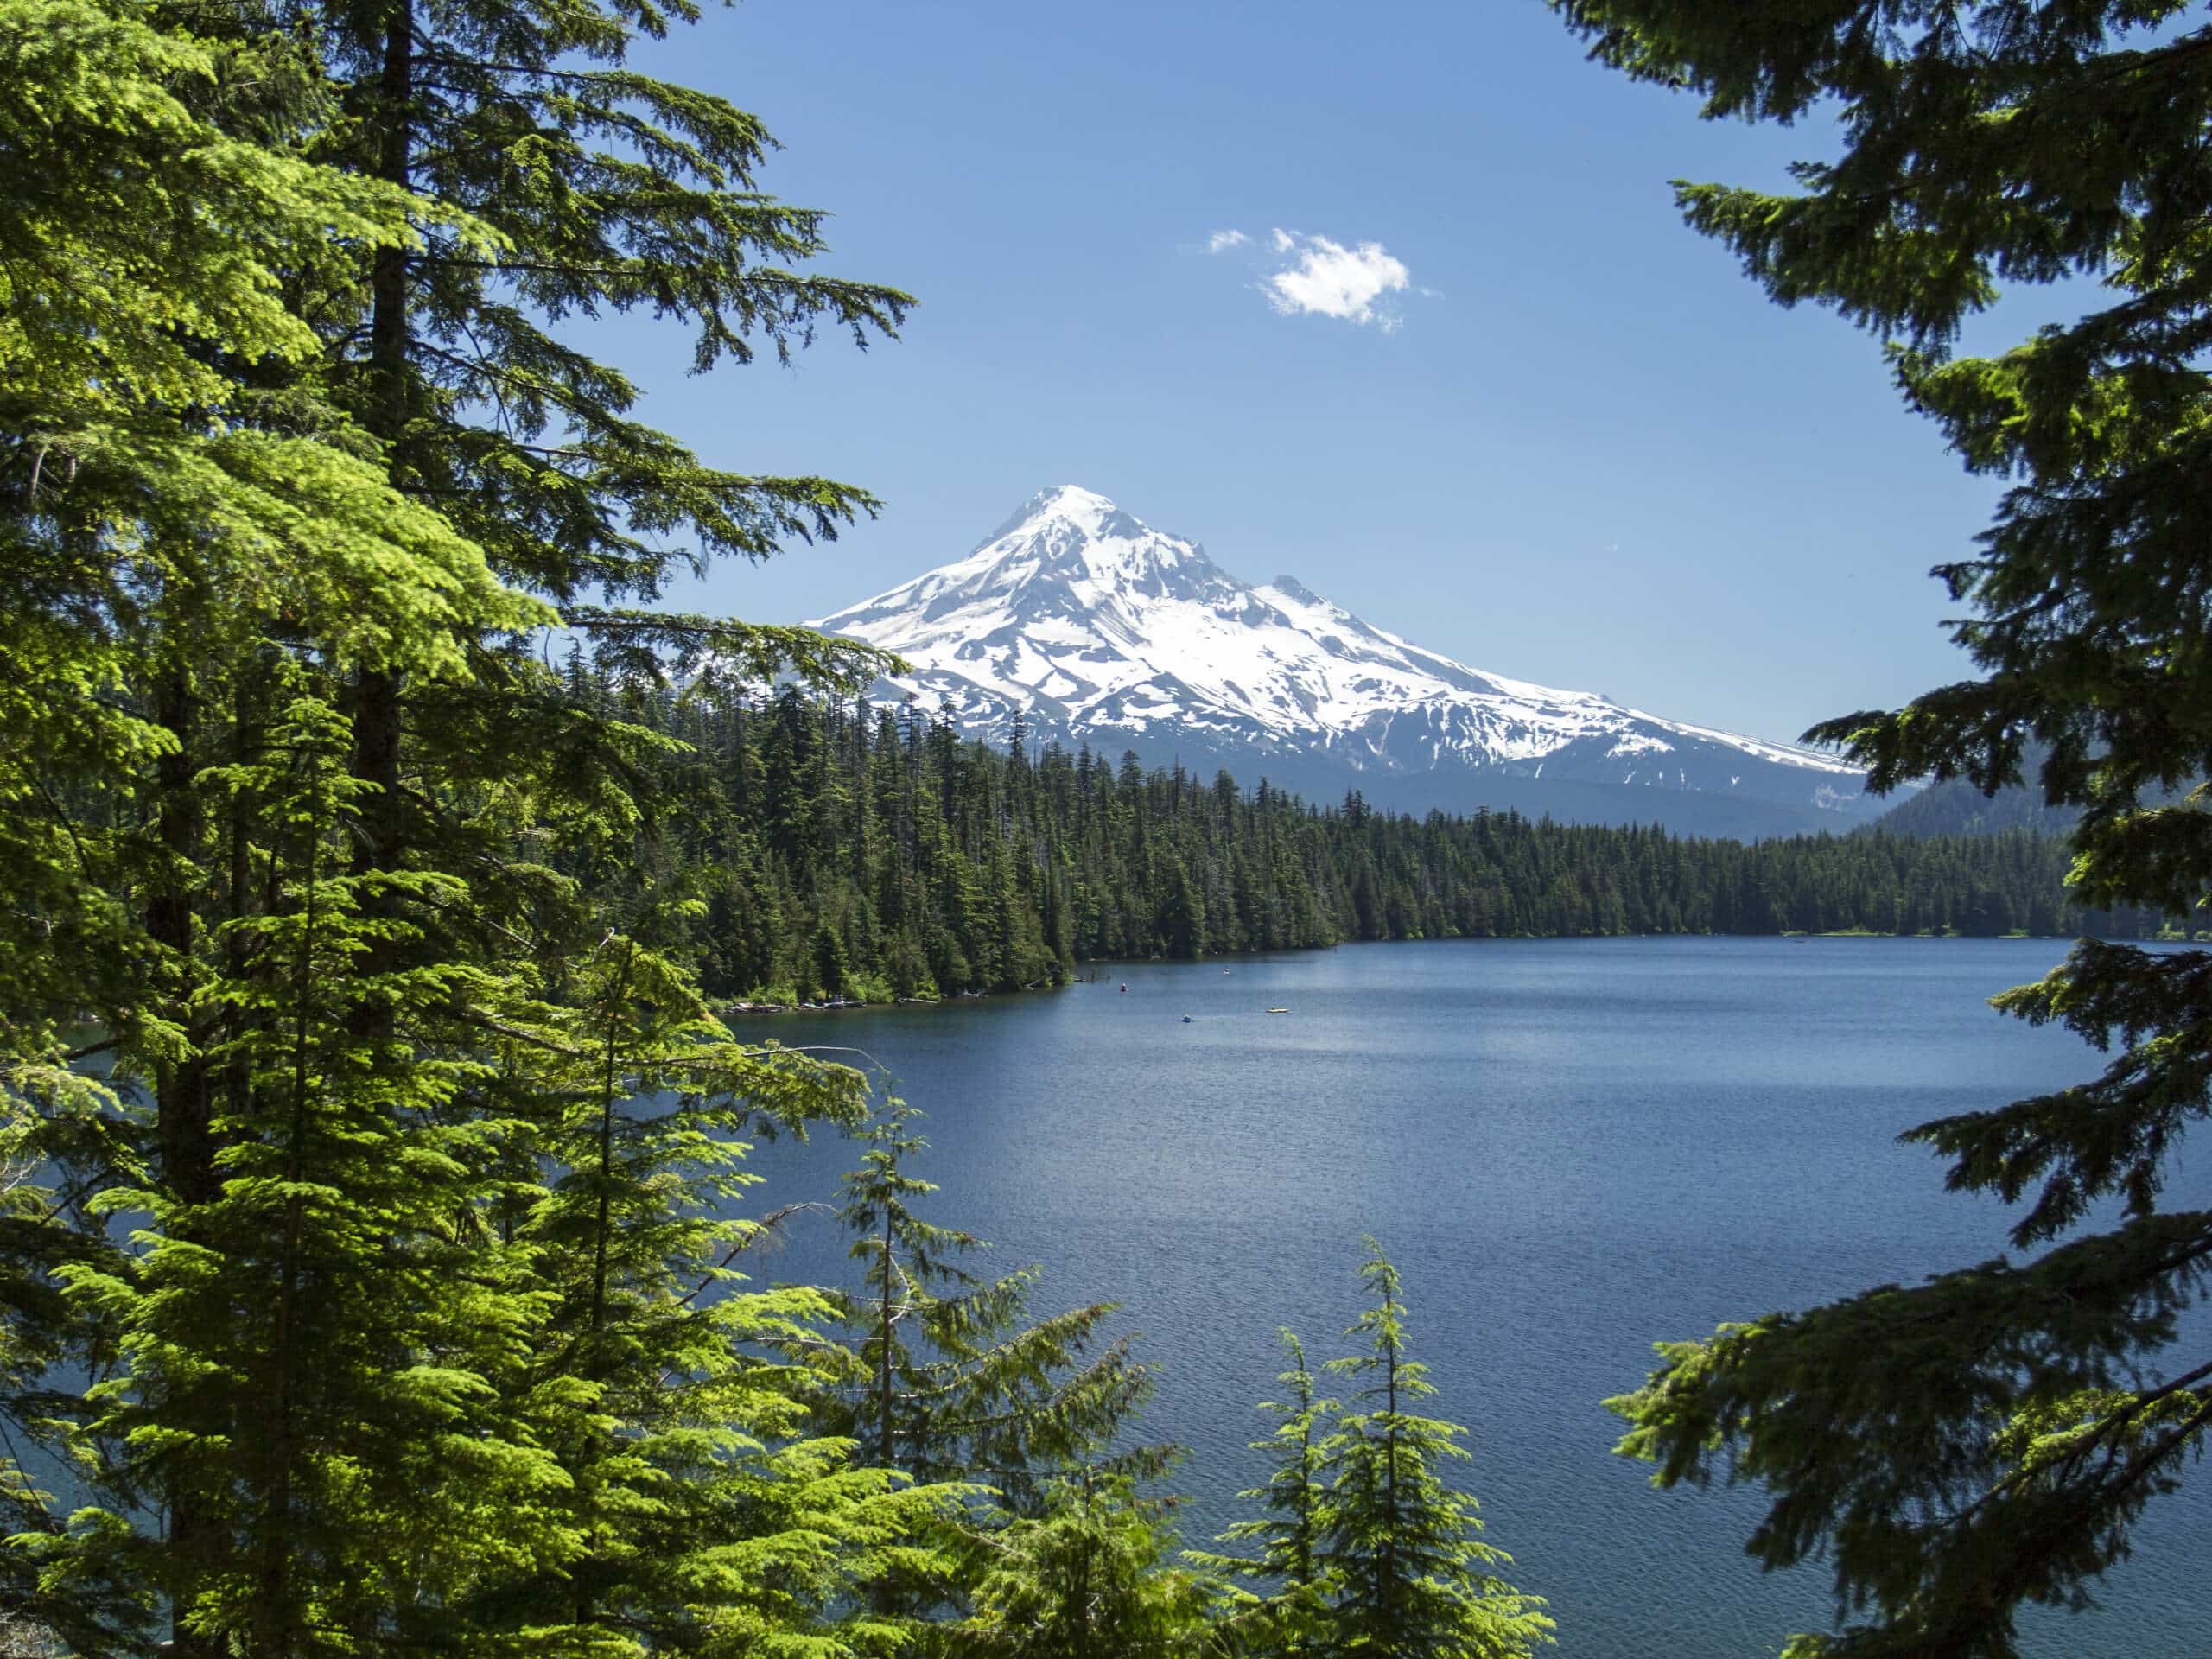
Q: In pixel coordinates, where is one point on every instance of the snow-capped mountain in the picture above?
(1103, 629)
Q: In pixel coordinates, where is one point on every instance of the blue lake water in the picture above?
(1570, 1148)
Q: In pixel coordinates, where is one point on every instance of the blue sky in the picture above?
(1577, 446)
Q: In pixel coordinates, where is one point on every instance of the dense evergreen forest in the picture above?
(859, 852)
(374, 1226)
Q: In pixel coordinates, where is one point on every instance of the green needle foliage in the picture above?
(702, 1508)
(407, 1329)
(600, 190)
(954, 1381)
(1405, 1567)
(1989, 1440)
(160, 515)
(1092, 1577)
(315, 1347)
(583, 187)
(1289, 1534)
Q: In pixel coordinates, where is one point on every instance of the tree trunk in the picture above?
(184, 1105)
(376, 712)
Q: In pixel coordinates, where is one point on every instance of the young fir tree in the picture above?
(1293, 1615)
(1987, 1439)
(316, 1346)
(1406, 1571)
(702, 1510)
(1093, 1576)
(958, 1386)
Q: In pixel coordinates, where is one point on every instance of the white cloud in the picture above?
(1302, 274)
(1327, 279)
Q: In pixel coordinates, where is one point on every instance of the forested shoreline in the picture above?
(853, 851)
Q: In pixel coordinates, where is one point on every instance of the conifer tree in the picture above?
(247, 495)
(316, 1346)
(1407, 1571)
(1093, 1576)
(161, 509)
(1987, 1439)
(701, 1507)
(954, 1383)
(600, 189)
(1294, 1499)
(178, 504)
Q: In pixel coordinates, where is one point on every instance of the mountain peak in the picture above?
(1098, 626)
(1086, 510)
(1068, 534)
(1074, 500)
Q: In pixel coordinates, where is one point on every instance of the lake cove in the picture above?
(1572, 1148)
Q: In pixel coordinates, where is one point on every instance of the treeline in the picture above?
(853, 850)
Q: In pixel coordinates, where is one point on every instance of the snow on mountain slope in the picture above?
(1104, 631)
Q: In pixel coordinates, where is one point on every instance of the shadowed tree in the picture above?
(1987, 1440)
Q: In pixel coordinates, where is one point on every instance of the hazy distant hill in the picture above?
(1957, 808)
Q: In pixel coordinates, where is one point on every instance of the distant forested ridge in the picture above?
(1957, 806)
(845, 849)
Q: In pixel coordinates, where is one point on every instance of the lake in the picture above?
(1570, 1148)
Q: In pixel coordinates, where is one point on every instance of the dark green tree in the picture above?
(1405, 1567)
(1288, 1534)
(1987, 1440)
(828, 955)
(954, 1382)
